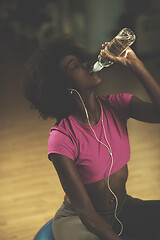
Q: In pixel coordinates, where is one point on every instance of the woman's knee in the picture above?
(64, 229)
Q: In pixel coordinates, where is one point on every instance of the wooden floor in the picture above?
(30, 189)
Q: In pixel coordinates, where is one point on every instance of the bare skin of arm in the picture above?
(79, 198)
(140, 110)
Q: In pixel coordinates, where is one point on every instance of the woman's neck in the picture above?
(92, 105)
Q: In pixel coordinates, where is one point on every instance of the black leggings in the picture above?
(141, 221)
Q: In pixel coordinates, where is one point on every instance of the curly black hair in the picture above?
(45, 85)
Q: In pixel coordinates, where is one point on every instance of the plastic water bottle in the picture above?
(116, 47)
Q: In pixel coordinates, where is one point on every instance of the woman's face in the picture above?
(78, 74)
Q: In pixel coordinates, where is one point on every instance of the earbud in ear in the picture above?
(70, 90)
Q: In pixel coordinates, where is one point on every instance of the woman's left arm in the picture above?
(140, 110)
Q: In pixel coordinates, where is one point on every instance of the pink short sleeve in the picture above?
(61, 143)
(120, 102)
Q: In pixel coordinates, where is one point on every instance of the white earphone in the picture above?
(108, 147)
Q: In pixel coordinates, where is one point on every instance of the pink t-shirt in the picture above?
(76, 140)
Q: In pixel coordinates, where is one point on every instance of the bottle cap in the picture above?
(97, 67)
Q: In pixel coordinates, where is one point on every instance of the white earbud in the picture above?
(70, 90)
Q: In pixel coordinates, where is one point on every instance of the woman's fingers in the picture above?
(125, 58)
(104, 54)
(105, 44)
(126, 52)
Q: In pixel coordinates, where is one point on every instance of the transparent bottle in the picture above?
(116, 47)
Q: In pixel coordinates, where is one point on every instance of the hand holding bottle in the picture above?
(116, 47)
(126, 58)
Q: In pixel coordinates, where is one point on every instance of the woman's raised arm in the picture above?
(140, 110)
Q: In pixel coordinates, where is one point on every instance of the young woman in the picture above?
(89, 144)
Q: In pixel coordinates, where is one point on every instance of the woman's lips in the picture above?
(91, 70)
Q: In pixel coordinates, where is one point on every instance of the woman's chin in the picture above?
(96, 77)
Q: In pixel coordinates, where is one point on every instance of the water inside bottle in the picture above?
(119, 44)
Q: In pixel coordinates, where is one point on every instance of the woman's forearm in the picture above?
(130, 60)
(97, 225)
(148, 81)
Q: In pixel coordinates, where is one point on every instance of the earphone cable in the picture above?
(110, 152)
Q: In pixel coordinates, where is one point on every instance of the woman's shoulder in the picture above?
(61, 132)
(61, 141)
(64, 127)
(117, 99)
(118, 103)
(61, 126)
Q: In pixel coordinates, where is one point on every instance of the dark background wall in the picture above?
(26, 24)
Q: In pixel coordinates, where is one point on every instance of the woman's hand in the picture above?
(127, 58)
